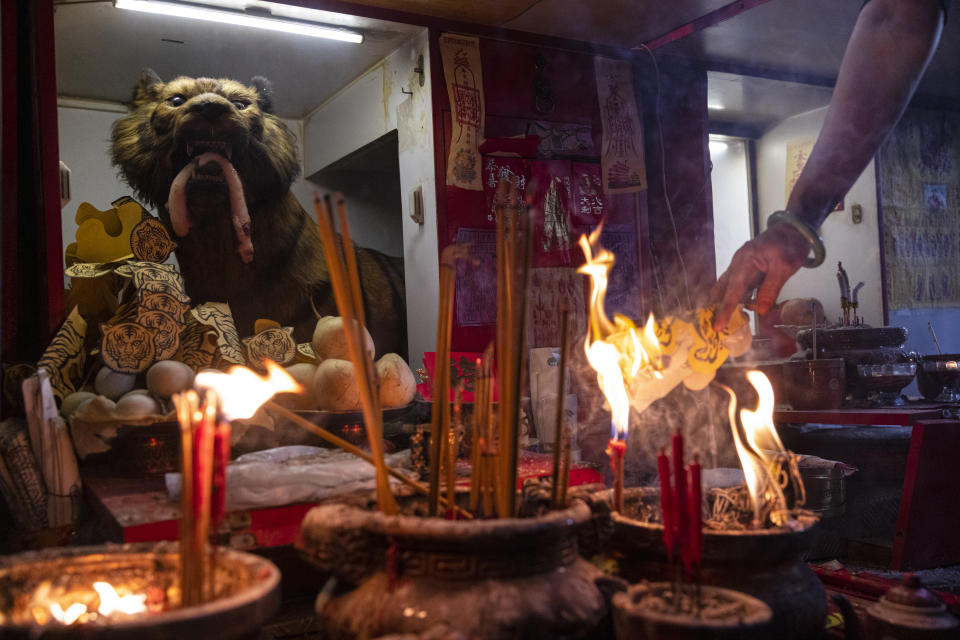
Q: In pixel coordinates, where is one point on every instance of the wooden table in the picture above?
(928, 522)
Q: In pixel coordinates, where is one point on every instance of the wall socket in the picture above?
(856, 211)
(416, 205)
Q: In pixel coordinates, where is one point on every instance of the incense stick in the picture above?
(440, 416)
(185, 420)
(349, 447)
(476, 420)
(345, 296)
(351, 260)
(208, 421)
(518, 347)
(557, 498)
(512, 238)
(451, 441)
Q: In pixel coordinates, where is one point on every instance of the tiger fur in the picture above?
(172, 124)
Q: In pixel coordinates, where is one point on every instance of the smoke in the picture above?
(700, 416)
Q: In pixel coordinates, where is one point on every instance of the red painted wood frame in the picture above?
(33, 289)
(928, 520)
(928, 524)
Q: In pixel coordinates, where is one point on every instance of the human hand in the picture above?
(766, 262)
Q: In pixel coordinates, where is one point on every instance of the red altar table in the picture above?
(138, 509)
(929, 517)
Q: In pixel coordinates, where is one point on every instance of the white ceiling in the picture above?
(808, 38)
(100, 49)
(758, 103)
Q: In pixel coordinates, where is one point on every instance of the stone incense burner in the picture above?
(506, 578)
(765, 563)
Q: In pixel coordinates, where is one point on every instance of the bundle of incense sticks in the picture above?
(205, 447)
(345, 281)
(483, 448)
(681, 510)
(513, 261)
(440, 417)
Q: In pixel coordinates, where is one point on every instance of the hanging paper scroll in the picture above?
(461, 68)
(622, 161)
(798, 152)
(476, 288)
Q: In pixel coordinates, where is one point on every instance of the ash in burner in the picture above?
(44, 588)
(726, 509)
(713, 605)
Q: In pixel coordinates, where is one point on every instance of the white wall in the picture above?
(373, 207)
(85, 148)
(369, 107)
(731, 197)
(856, 245)
(84, 133)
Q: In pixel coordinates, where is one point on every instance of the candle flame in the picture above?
(616, 349)
(761, 452)
(242, 391)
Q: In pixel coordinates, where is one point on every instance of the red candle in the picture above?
(221, 458)
(666, 503)
(616, 450)
(680, 492)
(201, 464)
(696, 513)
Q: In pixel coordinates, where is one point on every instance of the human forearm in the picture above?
(885, 58)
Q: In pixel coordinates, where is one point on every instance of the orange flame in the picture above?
(45, 608)
(111, 601)
(758, 424)
(760, 451)
(242, 391)
(617, 351)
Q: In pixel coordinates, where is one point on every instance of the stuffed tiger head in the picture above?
(217, 165)
(170, 124)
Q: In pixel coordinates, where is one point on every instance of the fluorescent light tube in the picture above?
(239, 19)
(717, 146)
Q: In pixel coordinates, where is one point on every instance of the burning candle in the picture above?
(666, 503)
(680, 489)
(616, 450)
(695, 513)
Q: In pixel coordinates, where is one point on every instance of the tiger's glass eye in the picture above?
(241, 104)
(176, 100)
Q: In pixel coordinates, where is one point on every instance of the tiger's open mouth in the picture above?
(210, 164)
(198, 147)
(208, 172)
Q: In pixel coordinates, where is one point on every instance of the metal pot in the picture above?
(939, 374)
(248, 592)
(908, 611)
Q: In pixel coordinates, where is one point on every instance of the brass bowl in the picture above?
(814, 384)
(247, 593)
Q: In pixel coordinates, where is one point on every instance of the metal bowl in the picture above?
(939, 374)
(248, 592)
(886, 378)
